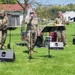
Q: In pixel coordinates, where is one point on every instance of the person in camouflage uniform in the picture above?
(3, 27)
(61, 21)
(31, 31)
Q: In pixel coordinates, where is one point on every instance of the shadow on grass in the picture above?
(44, 56)
(29, 57)
(47, 56)
(73, 35)
(26, 51)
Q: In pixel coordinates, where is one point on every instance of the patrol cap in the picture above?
(32, 12)
(2, 11)
(59, 12)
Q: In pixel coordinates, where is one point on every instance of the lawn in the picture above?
(61, 62)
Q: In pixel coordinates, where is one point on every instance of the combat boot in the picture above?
(30, 54)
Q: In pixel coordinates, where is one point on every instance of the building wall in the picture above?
(14, 20)
(21, 18)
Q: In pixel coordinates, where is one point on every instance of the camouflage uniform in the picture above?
(31, 32)
(61, 34)
(3, 27)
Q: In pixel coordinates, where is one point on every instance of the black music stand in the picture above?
(51, 29)
(10, 28)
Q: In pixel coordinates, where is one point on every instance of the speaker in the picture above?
(56, 45)
(7, 55)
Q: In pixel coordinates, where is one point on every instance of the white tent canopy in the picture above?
(69, 14)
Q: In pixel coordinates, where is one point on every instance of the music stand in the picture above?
(10, 28)
(51, 29)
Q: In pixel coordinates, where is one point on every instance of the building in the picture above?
(14, 12)
(15, 18)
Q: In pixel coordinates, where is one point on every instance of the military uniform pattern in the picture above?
(3, 30)
(31, 33)
(61, 34)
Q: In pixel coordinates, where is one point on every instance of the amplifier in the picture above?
(56, 45)
(7, 55)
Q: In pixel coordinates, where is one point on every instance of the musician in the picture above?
(31, 31)
(61, 21)
(3, 27)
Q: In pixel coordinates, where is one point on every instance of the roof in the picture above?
(11, 7)
(16, 7)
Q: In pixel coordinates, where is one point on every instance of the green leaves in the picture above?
(8, 1)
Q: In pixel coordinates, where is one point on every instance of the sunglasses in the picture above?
(31, 13)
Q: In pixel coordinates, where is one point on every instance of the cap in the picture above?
(32, 12)
(2, 11)
(59, 12)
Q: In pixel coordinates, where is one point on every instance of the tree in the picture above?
(24, 14)
(8, 1)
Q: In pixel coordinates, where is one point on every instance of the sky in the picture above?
(55, 2)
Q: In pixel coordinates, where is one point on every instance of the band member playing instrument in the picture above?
(61, 21)
(3, 27)
(31, 31)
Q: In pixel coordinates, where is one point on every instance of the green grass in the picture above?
(62, 62)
